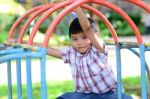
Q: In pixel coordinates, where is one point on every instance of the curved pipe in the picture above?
(109, 25)
(43, 17)
(92, 10)
(77, 3)
(29, 20)
(140, 4)
(18, 21)
(59, 17)
(124, 15)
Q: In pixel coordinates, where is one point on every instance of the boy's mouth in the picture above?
(81, 47)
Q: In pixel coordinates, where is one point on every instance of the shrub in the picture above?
(120, 25)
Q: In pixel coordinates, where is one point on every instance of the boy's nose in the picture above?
(80, 41)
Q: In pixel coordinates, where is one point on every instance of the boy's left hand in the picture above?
(9, 41)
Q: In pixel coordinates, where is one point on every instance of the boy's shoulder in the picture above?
(67, 49)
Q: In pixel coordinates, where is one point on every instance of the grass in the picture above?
(56, 88)
(132, 85)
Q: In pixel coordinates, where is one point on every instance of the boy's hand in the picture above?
(9, 41)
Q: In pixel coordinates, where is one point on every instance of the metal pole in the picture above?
(29, 78)
(118, 61)
(19, 89)
(9, 79)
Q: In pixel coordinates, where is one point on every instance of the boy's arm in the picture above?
(54, 52)
(50, 51)
(92, 36)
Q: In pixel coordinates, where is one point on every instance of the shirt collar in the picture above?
(82, 55)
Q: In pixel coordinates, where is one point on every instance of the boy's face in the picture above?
(80, 42)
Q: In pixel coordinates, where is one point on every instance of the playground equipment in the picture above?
(18, 51)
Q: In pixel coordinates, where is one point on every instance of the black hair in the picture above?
(75, 27)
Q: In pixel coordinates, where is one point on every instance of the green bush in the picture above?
(6, 20)
(121, 27)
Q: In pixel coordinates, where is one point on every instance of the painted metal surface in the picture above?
(20, 54)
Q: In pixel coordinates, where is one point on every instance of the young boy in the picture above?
(92, 75)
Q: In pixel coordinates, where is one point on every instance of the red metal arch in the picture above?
(30, 19)
(105, 3)
(86, 7)
(18, 21)
(43, 17)
(140, 4)
(99, 14)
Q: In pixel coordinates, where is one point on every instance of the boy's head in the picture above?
(75, 27)
(78, 38)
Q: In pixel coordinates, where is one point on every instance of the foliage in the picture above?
(9, 12)
(121, 27)
(5, 21)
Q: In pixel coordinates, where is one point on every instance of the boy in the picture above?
(92, 75)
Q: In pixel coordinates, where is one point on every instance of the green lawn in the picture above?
(55, 88)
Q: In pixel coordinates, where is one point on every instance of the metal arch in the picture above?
(115, 8)
(140, 4)
(104, 19)
(99, 14)
(29, 20)
(43, 17)
(18, 21)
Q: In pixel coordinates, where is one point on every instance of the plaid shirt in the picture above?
(91, 71)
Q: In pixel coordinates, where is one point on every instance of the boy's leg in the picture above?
(77, 95)
(111, 95)
(115, 96)
(107, 95)
(71, 95)
(124, 96)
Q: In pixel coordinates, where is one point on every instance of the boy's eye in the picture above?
(74, 39)
(84, 37)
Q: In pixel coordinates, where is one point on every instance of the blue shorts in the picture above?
(78, 95)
